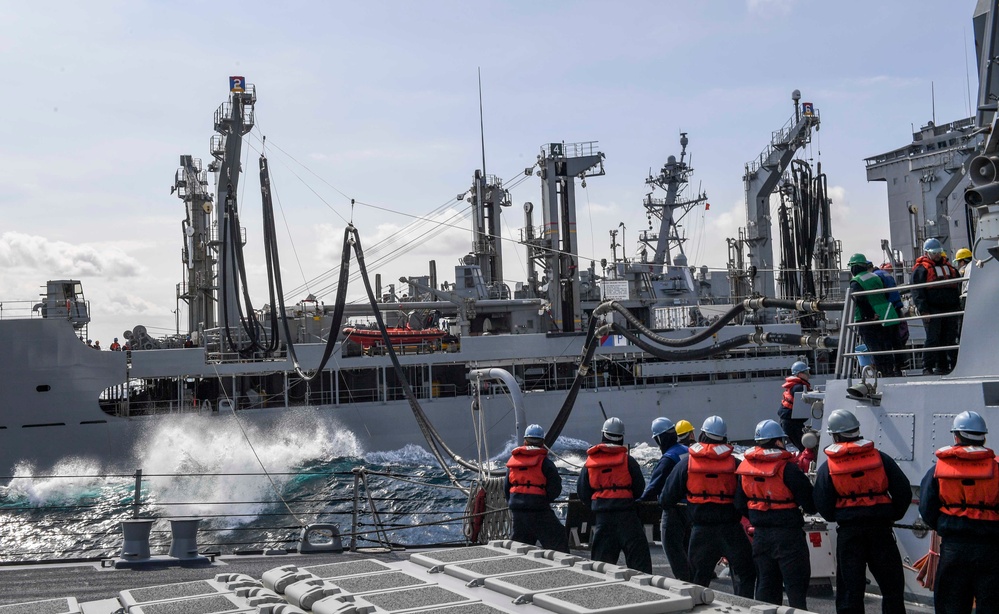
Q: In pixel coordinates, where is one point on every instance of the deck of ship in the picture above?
(96, 588)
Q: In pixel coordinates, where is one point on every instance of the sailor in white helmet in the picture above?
(706, 479)
(609, 484)
(960, 500)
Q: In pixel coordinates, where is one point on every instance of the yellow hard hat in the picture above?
(962, 253)
(683, 427)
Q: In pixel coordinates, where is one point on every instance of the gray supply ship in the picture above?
(61, 399)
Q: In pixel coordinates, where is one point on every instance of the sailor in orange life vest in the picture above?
(532, 484)
(864, 492)
(946, 298)
(797, 382)
(609, 484)
(960, 499)
(706, 479)
(771, 490)
(674, 526)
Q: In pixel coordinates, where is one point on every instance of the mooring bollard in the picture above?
(135, 533)
(184, 538)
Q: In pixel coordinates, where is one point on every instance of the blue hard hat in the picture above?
(535, 431)
(799, 367)
(932, 246)
(970, 423)
(768, 429)
(714, 425)
(661, 425)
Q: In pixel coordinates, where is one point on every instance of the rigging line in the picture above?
(291, 239)
(388, 257)
(388, 242)
(309, 187)
(246, 438)
(516, 251)
(550, 250)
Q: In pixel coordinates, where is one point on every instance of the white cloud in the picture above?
(61, 259)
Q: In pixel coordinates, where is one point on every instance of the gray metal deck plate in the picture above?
(348, 568)
(471, 608)
(623, 598)
(411, 599)
(550, 579)
(196, 605)
(171, 591)
(377, 582)
(495, 567)
(64, 605)
(455, 555)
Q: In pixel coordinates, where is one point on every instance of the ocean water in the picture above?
(251, 498)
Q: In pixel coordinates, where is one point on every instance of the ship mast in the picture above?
(190, 184)
(761, 179)
(233, 119)
(673, 178)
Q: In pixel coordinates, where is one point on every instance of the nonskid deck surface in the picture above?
(503, 577)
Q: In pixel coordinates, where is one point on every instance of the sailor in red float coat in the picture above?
(771, 489)
(864, 492)
(959, 498)
(706, 480)
(609, 483)
(532, 485)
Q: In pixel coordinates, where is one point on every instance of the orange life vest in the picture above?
(762, 472)
(607, 469)
(937, 271)
(711, 473)
(788, 400)
(969, 482)
(526, 476)
(857, 473)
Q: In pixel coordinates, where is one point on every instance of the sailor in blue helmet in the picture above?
(960, 500)
(933, 300)
(797, 382)
(772, 493)
(675, 526)
(532, 485)
(706, 479)
(609, 483)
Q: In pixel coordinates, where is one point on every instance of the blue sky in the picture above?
(378, 101)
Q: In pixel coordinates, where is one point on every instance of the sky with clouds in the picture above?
(378, 101)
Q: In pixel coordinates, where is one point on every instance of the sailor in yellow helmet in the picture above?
(685, 432)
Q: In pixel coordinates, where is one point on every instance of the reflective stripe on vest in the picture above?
(788, 400)
(762, 472)
(969, 482)
(607, 470)
(524, 471)
(711, 473)
(857, 473)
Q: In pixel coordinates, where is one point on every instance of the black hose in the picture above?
(589, 347)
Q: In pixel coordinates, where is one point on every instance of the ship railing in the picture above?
(851, 356)
(574, 150)
(78, 517)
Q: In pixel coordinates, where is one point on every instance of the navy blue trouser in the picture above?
(675, 530)
(857, 549)
(710, 542)
(782, 565)
(539, 526)
(614, 532)
(967, 571)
